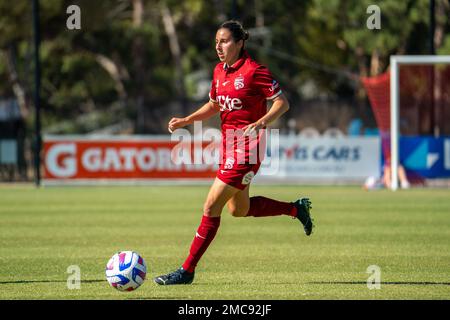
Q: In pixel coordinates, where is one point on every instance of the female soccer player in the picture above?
(239, 91)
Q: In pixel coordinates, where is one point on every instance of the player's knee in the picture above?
(210, 210)
(238, 212)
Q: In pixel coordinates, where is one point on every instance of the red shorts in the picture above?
(239, 176)
(241, 158)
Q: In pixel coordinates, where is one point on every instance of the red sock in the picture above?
(265, 207)
(205, 234)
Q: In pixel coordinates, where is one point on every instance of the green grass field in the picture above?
(406, 234)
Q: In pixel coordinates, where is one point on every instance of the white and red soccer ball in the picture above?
(126, 271)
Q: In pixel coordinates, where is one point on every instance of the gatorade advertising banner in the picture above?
(119, 159)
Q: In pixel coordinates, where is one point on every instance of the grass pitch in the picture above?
(406, 234)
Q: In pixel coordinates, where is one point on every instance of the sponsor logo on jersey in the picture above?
(227, 103)
(248, 177)
(274, 85)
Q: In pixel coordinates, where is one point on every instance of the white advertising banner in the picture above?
(296, 159)
(352, 158)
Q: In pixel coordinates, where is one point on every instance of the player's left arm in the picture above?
(279, 107)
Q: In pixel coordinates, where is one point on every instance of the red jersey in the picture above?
(241, 90)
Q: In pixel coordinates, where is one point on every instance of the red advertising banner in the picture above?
(122, 159)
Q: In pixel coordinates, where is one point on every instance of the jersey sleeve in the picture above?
(266, 84)
(213, 91)
(214, 85)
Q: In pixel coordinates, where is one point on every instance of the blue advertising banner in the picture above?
(427, 156)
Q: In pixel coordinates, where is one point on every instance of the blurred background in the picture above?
(134, 64)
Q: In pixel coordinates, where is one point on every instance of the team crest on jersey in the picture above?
(229, 163)
(239, 82)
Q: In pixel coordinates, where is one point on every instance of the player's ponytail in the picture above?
(237, 31)
(246, 35)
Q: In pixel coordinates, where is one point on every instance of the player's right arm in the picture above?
(205, 112)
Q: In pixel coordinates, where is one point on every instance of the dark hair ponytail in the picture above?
(237, 31)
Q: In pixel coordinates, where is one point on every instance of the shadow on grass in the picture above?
(418, 283)
(158, 298)
(46, 281)
(90, 281)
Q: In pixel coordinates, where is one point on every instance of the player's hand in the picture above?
(176, 123)
(252, 128)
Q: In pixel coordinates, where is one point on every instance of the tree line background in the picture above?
(134, 64)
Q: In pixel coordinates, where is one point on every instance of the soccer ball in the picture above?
(126, 271)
